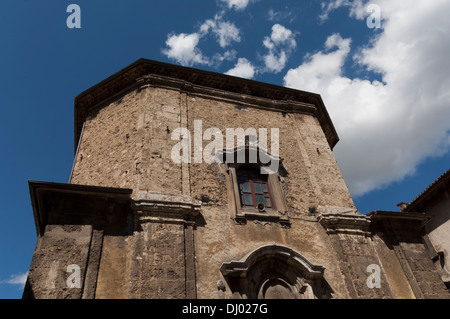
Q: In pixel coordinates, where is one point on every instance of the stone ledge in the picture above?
(164, 197)
(345, 223)
(155, 206)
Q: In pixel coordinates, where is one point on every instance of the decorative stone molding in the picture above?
(154, 206)
(242, 217)
(148, 80)
(241, 267)
(263, 158)
(345, 223)
(275, 271)
(135, 76)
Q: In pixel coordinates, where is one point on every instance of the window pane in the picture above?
(246, 186)
(267, 202)
(259, 199)
(253, 188)
(257, 187)
(248, 199)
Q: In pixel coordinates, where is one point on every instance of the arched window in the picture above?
(254, 189)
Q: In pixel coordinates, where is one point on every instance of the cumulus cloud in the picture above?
(243, 69)
(225, 31)
(386, 128)
(280, 44)
(183, 49)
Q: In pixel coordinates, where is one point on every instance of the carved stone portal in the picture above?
(275, 272)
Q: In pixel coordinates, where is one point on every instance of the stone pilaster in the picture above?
(352, 241)
(163, 260)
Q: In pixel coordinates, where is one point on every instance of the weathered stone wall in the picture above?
(403, 237)
(313, 176)
(356, 255)
(60, 247)
(113, 281)
(127, 143)
(419, 268)
(359, 263)
(221, 240)
(158, 269)
(392, 268)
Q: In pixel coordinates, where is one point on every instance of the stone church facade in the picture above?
(133, 222)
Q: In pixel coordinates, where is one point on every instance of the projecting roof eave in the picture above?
(127, 77)
(39, 189)
(428, 192)
(381, 214)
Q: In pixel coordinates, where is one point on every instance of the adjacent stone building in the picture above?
(434, 201)
(160, 206)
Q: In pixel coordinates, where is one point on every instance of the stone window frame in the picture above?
(278, 213)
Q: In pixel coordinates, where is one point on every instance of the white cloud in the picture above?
(183, 48)
(280, 44)
(357, 8)
(225, 31)
(275, 63)
(281, 35)
(386, 128)
(236, 4)
(321, 69)
(243, 69)
(19, 279)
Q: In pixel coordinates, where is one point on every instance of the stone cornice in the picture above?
(154, 80)
(154, 207)
(201, 82)
(345, 223)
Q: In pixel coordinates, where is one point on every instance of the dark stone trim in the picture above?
(189, 251)
(93, 264)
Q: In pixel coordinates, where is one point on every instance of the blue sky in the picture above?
(386, 89)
